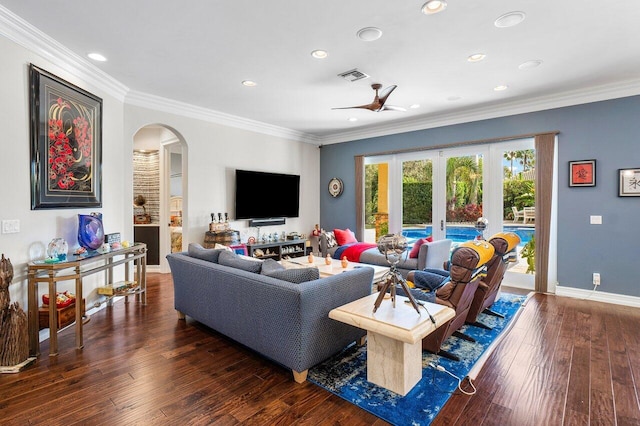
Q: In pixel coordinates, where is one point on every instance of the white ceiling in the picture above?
(198, 52)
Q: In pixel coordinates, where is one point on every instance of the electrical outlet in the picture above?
(10, 226)
(596, 278)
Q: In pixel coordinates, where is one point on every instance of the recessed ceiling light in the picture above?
(433, 6)
(369, 33)
(415, 106)
(476, 57)
(96, 57)
(319, 54)
(501, 87)
(352, 119)
(249, 83)
(530, 64)
(509, 19)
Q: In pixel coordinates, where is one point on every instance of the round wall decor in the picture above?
(335, 187)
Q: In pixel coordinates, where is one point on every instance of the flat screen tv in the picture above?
(262, 195)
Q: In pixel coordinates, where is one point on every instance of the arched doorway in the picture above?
(160, 175)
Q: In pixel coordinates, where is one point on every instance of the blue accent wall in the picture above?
(608, 131)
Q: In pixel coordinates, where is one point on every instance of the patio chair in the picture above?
(529, 214)
(517, 214)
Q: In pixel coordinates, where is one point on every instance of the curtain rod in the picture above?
(457, 144)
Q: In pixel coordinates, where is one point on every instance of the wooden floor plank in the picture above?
(564, 362)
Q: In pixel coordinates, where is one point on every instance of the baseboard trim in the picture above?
(598, 296)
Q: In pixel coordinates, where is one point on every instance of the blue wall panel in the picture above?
(608, 131)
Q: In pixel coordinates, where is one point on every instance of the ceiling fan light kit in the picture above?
(434, 6)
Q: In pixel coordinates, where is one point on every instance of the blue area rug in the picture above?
(345, 374)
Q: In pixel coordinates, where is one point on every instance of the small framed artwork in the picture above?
(582, 173)
(629, 183)
(66, 143)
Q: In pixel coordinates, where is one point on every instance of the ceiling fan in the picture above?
(378, 103)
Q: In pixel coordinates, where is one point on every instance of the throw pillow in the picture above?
(270, 265)
(199, 252)
(229, 258)
(345, 236)
(297, 275)
(413, 254)
(331, 239)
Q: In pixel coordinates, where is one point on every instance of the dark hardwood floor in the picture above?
(564, 362)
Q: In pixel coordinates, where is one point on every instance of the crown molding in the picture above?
(26, 35)
(21, 32)
(171, 106)
(503, 109)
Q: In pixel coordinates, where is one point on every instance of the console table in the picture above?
(76, 267)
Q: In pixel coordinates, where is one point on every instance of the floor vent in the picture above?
(353, 75)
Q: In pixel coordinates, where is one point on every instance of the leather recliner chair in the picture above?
(489, 285)
(457, 291)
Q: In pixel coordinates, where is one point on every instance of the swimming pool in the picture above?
(461, 234)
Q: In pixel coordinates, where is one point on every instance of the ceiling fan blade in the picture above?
(386, 92)
(370, 107)
(392, 108)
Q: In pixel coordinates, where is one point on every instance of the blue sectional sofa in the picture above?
(281, 320)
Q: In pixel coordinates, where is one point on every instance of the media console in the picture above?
(278, 249)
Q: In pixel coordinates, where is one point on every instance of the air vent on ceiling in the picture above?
(353, 75)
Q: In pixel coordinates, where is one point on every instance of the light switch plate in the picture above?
(596, 220)
(10, 226)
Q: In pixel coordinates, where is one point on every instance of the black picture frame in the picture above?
(582, 173)
(629, 183)
(66, 143)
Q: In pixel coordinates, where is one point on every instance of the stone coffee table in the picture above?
(394, 338)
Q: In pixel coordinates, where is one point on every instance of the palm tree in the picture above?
(510, 155)
(463, 176)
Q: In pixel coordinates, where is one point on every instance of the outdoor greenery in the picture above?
(464, 188)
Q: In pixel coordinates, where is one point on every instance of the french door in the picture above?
(443, 192)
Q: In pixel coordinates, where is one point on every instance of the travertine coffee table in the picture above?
(394, 338)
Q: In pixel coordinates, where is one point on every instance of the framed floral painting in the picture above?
(66, 143)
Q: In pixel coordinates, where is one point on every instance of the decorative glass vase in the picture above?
(90, 231)
(57, 249)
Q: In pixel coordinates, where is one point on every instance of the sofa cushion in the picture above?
(269, 266)
(416, 247)
(228, 258)
(344, 236)
(331, 239)
(199, 252)
(296, 275)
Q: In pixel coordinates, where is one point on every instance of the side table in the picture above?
(76, 267)
(394, 338)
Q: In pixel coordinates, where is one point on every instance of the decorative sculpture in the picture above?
(90, 231)
(392, 246)
(14, 336)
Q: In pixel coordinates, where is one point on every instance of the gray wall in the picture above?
(607, 131)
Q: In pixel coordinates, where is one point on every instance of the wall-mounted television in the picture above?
(263, 195)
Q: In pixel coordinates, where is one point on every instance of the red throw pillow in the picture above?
(413, 254)
(344, 236)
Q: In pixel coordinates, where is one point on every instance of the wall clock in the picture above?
(335, 187)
